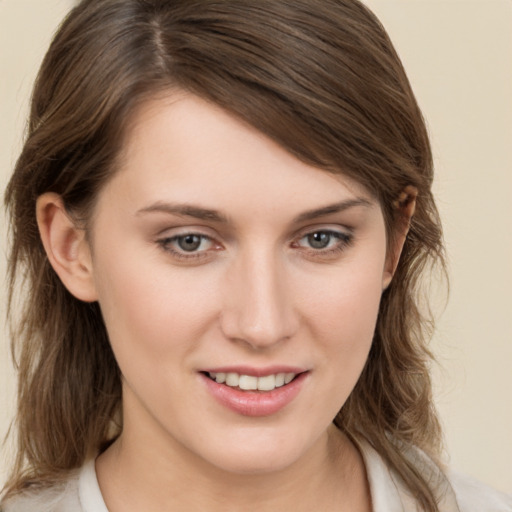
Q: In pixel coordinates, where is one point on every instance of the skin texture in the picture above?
(255, 292)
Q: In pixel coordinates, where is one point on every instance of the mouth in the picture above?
(251, 382)
(253, 392)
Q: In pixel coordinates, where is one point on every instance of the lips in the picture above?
(254, 392)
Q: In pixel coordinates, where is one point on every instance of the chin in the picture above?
(256, 464)
(259, 453)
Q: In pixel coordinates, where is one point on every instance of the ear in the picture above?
(66, 247)
(404, 208)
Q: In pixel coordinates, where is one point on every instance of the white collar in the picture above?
(388, 492)
(89, 491)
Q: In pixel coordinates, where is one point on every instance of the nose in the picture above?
(257, 309)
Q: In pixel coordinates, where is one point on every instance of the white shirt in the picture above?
(81, 492)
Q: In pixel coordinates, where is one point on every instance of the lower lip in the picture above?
(255, 403)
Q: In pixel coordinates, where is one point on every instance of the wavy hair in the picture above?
(323, 80)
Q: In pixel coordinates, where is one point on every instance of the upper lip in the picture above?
(254, 371)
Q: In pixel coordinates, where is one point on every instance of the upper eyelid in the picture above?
(333, 232)
(173, 231)
(172, 238)
(341, 236)
(326, 228)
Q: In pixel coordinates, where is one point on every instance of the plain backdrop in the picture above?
(458, 55)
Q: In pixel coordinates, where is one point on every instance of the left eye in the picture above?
(323, 240)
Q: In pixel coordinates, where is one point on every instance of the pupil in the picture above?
(319, 240)
(189, 242)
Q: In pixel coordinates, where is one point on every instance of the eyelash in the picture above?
(166, 244)
(344, 240)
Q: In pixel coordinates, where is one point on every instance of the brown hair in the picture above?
(320, 78)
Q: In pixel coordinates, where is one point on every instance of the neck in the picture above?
(135, 476)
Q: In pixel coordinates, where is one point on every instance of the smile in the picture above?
(248, 394)
(251, 382)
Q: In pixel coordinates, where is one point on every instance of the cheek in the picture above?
(149, 306)
(346, 302)
(341, 317)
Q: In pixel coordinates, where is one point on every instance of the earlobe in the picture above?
(66, 247)
(404, 206)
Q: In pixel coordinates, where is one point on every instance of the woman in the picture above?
(232, 212)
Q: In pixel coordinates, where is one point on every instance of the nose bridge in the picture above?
(258, 310)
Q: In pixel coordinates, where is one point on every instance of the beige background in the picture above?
(458, 54)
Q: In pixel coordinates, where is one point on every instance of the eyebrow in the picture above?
(185, 210)
(332, 208)
(198, 212)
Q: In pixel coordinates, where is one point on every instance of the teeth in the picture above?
(280, 380)
(248, 382)
(288, 377)
(232, 379)
(252, 383)
(267, 383)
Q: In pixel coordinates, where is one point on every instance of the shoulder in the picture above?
(474, 496)
(80, 492)
(455, 492)
(58, 498)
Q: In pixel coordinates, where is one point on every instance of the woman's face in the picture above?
(218, 256)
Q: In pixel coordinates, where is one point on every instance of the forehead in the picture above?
(180, 136)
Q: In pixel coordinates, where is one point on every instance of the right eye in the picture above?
(187, 245)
